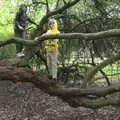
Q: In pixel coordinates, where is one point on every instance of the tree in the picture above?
(85, 20)
(74, 96)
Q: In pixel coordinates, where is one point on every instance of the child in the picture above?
(51, 47)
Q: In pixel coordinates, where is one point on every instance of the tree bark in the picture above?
(69, 36)
(74, 96)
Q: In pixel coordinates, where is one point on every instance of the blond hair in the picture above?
(53, 22)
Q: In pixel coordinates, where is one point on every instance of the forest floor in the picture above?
(26, 102)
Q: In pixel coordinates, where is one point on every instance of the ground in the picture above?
(26, 102)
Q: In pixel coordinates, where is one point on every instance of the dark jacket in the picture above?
(22, 20)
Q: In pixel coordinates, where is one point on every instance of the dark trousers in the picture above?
(19, 34)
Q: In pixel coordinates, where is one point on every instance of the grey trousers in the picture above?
(52, 63)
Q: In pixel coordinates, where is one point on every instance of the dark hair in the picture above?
(23, 7)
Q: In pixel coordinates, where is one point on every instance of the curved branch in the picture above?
(58, 11)
(74, 96)
(39, 30)
(26, 75)
(89, 75)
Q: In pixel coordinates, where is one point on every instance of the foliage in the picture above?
(87, 16)
(82, 61)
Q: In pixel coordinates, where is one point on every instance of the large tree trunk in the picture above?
(74, 96)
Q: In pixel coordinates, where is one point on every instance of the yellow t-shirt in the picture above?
(51, 45)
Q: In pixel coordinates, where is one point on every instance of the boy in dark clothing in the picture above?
(20, 24)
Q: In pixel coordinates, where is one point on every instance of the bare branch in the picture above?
(57, 3)
(58, 11)
(47, 6)
(85, 36)
(80, 36)
(36, 2)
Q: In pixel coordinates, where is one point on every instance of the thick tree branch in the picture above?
(74, 92)
(26, 75)
(73, 96)
(81, 36)
(16, 40)
(94, 104)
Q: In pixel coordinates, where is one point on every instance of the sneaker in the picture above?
(20, 54)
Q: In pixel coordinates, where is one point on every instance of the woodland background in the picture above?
(88, 66)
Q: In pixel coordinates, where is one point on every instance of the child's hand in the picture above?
(20, 27)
